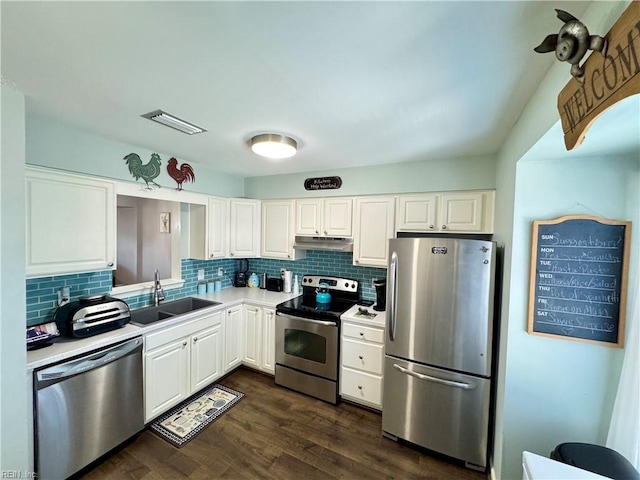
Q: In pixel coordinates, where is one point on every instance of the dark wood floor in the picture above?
(274, 433)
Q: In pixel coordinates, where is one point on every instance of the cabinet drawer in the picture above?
(362, 356)
(361, 386)
(363, 333)
(181, 330)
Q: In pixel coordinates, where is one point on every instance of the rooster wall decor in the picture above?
(148, 171)
(182, 174)
(572, 43)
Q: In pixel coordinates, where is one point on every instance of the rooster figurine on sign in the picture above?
(183, 174)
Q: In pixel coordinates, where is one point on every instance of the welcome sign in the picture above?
(607, 79)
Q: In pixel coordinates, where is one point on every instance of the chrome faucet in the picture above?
(158, 293)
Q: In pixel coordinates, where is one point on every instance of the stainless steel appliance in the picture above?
(438, 351)
(308, 336)
(380, 285)
(91, 315)
(87, 406)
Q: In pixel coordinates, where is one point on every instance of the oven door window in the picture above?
(306, 345)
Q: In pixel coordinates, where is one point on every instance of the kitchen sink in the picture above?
(149, 315)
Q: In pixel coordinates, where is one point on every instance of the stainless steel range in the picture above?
(308, 335)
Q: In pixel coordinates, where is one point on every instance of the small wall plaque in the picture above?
(323, 183)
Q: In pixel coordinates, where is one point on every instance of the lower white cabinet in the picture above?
(180, 360)
(362, 363)
(259, 338)
(233, 338)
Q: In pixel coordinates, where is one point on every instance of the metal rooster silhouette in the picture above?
(147, 172)
(182, 174)
(572, 43)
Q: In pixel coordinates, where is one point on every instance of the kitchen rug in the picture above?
(183, 422)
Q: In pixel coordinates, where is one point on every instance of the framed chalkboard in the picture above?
(578, 284)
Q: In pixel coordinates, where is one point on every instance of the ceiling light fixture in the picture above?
(174, 122)
(273, 145)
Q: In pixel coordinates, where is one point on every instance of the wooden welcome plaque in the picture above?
(578, 284)
(607, 79)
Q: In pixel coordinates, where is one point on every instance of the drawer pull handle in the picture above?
(360, 357)
(359, 387)
(429, 378)
(361, 334)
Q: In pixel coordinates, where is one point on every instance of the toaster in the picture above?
(274, 284)
(91, 315)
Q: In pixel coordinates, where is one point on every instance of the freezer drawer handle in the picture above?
(429, 378)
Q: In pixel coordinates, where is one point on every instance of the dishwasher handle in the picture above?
(57, 373)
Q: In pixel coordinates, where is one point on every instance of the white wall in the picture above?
(14, 410)
(472, 173)
(56, 145)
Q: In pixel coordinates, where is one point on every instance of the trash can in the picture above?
(596, 459)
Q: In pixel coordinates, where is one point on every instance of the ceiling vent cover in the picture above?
(174, 122)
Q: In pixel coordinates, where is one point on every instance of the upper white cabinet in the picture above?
(374, 219)
(217, 235)
(330, 217)
(278, 230)
(456, 212)
(244, 228)
(70, 224)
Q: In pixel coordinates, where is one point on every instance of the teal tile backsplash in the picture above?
(42, 293)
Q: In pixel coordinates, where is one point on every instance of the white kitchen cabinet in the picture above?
(259, 338)
(70, 224)
(324, 217)
(244, 228)
(362, 364)
(233, 338)
(217, 235)
(268, 363)
(180, 360)
(455, 212)
(278, 230)
(166, 377)
(374, 220)
(206, 357)
(251, 334)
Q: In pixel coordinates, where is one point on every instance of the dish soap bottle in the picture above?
(254, 281)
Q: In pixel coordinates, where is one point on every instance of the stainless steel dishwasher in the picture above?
(86, 407)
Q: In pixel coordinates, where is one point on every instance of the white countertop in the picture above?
(64, 348)
(373, 318)
(536, 467)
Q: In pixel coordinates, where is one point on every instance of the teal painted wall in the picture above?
(559, 390)
(472, 173)
(14, 448)
(55, 145)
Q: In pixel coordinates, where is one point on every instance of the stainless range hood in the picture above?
(336, 244)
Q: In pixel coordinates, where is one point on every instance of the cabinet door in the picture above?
(374, 226)
(206, 357)
(217, 237)
(251, 334)
(462, 211)
(166, 377)
(269, 340)
(309, 217)
(233, 338)
(277, 229)
(417, 213)
(70, 224)
(337, 217)
(244, 234)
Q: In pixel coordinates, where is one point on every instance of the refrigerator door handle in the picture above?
(393, 274)
(429, 378)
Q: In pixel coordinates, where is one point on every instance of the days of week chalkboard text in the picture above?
(578, 278)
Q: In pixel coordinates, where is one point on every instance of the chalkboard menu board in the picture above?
(578, 281)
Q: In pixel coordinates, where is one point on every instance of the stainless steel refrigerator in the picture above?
(438, 352)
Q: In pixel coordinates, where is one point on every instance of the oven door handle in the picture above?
(318, 322)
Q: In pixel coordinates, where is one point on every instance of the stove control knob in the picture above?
(346, 285)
